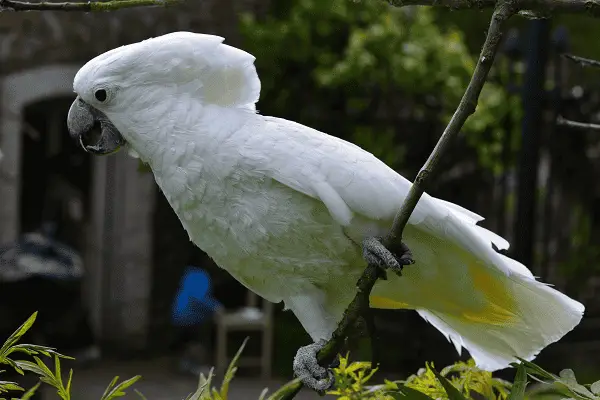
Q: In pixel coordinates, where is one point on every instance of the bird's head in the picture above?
(126, 93)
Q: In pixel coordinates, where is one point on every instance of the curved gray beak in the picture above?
(94, 131)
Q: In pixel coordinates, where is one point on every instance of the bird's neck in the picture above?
(196, 131)
(190, 153)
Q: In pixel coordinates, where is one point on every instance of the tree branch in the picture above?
(543, 6)
(502, 12)
(466, 107)
(577, 125)
(583, 62)
(89, 6)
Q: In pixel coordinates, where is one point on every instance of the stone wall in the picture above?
(35, 39)
(39, 55)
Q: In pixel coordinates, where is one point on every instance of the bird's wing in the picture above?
(358, 189)
(478, 298)
(346, 178)
(350, 181)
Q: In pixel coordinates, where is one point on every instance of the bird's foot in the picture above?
(307, 368)
(375, 253)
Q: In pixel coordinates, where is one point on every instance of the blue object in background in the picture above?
(194, 302)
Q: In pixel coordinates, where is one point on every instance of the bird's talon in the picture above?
(307, 368)
(375, 253)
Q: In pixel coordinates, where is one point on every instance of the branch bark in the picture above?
(544, 7)
(89, 6)
(466, 107)
(583, 62)
(503, 10)
(577, 125)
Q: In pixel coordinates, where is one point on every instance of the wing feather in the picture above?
(316, 164)
(356, 186)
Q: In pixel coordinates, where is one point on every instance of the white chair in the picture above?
(248, 318)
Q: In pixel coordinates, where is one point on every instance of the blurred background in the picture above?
(91, 244)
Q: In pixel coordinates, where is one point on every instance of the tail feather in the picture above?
(544, 316)
(470, 218)
(478, 298)
(536, 315)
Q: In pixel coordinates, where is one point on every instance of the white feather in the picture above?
(283, 207)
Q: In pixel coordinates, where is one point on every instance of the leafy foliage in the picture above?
(38, 366)
(370, 73)
(462, 376)
(351, 379)
(565, 383)
(460, 381)
(11, 347)
(205, 390)
(456, 382)
(114, 390)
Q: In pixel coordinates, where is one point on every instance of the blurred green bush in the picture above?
(372, 74)
(460, 381)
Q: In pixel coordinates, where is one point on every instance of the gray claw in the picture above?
(307, 368)
(375, 253)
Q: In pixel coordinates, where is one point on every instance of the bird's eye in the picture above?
(100, 95)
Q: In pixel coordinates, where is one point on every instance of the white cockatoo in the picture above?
(295, 214)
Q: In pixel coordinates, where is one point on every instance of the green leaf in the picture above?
(113, 391)
(535, 370)
(14, 366)
(231, 370)
(68, 388)
(14, 338)
(33, 349)
(518, 389)
(46, 372)
(548, 391)
(109, 387)
(29, 394)
(46, 375)
(140, 394)
(6, 386)
(595, 387)
(263, 394)
(453, 393)
(407, 393)
(567, 378)
(57, 371)
(29, 366)
(203, 390)
(216, 395)
(283, 390)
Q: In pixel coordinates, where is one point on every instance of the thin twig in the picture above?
(466, 107)
(503, 11)
(577, 125)
(351, 314)
(544, 7)
(89, 6)
(584, 62)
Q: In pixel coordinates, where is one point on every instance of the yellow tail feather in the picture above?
(499, 304)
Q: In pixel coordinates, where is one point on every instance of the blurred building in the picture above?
(105, 206)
